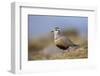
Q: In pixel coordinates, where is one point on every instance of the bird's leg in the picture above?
(69, 49)
(63, 51)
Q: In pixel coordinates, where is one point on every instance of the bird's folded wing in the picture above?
(63, 41)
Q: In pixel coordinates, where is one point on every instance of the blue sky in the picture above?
(39, 24)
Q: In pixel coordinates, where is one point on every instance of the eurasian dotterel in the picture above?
(61, 41)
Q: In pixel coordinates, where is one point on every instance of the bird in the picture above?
(61, 41)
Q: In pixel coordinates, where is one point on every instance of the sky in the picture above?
(40, 25)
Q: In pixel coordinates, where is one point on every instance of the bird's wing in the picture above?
(67, 41)
(63, 41)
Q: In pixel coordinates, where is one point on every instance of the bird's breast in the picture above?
(59, 42)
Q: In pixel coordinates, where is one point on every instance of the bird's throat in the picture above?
(56, 35)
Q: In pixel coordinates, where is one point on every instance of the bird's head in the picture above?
(56, 32)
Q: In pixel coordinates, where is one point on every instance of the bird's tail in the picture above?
(75, 45)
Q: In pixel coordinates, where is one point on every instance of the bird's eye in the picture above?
(58, 31)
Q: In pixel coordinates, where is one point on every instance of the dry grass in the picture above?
(76, 54)
(36, 49)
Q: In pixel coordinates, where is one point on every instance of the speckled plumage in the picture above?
(61, 41)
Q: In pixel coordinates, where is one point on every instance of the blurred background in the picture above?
(40, 39)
